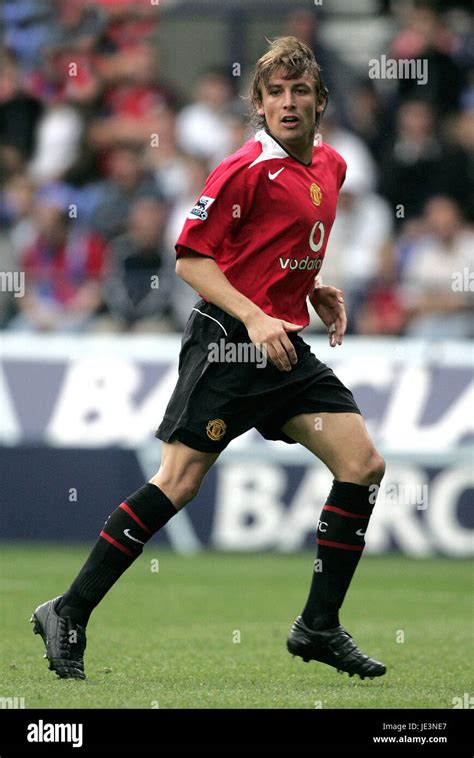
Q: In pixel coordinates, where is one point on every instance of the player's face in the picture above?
(289, 107)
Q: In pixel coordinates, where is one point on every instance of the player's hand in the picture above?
(269, 335)
(328, 302)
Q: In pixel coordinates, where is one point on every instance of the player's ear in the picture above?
(260, 108)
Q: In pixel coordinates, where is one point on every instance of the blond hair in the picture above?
(296, 59)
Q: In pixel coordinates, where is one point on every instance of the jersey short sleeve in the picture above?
(217, 213)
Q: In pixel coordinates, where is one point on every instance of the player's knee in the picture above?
(366, 470)
(374, 469)
(179, 490)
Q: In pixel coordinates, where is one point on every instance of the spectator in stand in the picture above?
(197, 171)
(66, 70)
(17, 231)
(381, 311)
(134, 97)
(78, 25)
(27, 28)
(138, 290)
(368, 117)
(19, 116)
(349, 144)
(8, 301)
(59, 137)
(362, 227)
(202, 128)
(128, 22)
(127, 182)
(240, 131)
(69, 70)
(412, 170)
(458, 169)
(63, 269)
(16, 202)
(436, 279)
(460, 22)
(427, 37)
(166, 160)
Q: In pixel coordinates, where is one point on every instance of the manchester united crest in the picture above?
(216, 428)
(316, 194)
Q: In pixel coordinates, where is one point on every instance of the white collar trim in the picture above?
(270, 148)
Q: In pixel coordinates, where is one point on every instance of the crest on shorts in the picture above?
(316, 194)
(216, 428)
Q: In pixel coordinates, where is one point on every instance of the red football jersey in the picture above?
(265, 218)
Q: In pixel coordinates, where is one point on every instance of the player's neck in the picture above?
(303, 153)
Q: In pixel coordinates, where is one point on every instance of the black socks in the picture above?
(340, 540)
(120, 542)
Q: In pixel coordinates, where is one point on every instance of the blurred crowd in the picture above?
(101, 161)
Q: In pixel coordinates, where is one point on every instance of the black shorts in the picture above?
(215, 402)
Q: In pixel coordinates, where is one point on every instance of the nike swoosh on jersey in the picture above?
(274, 176)
(131, 537)
(360, 533)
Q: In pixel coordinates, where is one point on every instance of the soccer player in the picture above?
(252, 246)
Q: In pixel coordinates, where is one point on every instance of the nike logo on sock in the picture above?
(360, 533)
(131, 537)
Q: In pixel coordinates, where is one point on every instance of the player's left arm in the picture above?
(328, 302)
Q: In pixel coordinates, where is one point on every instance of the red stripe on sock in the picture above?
(127, 509)
(344, 513)
(340, 545)
(118, 545)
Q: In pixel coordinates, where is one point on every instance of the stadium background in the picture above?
(112, 114)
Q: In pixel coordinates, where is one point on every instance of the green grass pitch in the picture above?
(209, 631)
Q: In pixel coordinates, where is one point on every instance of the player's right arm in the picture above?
(267, 333)
(208, 224)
